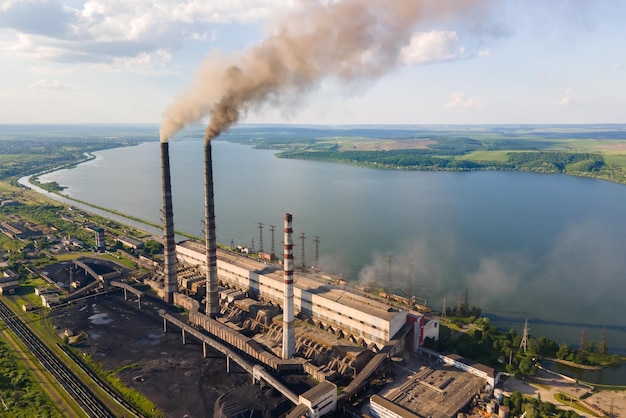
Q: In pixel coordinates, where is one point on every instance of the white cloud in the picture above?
(460, 101)
(568, 98)
(432, 47)
(438, 46)
(105, 30)
(54, 85)
(143, 64)
(210, 36)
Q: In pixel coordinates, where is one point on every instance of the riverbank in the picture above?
(582, 366)
(32, 183)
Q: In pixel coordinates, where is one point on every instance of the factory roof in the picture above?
(311, 282)
(438, 392)
(7, 285)
(130, 241)
(299, 411)
(471, 363)
(390, 406)
(318, 391)
(308, 282)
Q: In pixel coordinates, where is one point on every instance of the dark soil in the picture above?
(174, 376)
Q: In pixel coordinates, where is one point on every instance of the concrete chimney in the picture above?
(212, 301)
(169, 258)
(288, 329)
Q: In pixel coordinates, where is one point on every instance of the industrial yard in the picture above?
(176, 377)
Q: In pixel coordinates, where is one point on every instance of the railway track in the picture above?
(87, 401)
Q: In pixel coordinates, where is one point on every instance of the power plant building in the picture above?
(343, 312)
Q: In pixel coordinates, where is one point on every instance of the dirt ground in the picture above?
(174, 376)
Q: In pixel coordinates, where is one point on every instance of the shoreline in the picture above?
(31, 182)
(580, 366)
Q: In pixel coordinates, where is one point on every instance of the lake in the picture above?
(547, 248)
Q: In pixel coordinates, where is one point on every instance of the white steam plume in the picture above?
(348, 39)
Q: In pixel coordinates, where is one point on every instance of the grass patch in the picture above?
(617, 159)
(21, 390)
(69, 256)
(574, 403)
(121, 260)
(7, 188)
(500, 156)
(14, 158)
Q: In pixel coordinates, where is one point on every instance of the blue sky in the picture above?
(509, 61)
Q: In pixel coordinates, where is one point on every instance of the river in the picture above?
(547, 248)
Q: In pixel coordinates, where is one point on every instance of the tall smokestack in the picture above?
(169, 258)
(212, 302)
(288, 329)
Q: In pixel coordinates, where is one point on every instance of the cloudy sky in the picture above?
(507, 61)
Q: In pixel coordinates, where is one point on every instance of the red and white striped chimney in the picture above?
(289, 344)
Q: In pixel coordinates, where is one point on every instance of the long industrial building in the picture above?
(362, 319)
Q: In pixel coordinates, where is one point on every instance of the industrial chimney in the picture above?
(288, 329)
(169, 258)
(212, 302)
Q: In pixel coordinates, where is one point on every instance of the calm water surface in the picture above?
(550, 248)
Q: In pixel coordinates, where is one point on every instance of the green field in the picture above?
(500, 156)
(597, 151)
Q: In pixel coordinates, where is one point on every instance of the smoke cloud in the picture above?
(351, 40)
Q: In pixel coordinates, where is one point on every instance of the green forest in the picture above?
(597, 151)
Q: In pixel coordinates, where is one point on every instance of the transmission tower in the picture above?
(524, 343)
(459, 312)
(232, 243)
(302, 237)
(317, 252)
(389, 276)
(273, 254)
(252, 247)
(261, 224)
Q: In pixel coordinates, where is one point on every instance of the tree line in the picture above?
(446, 160)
